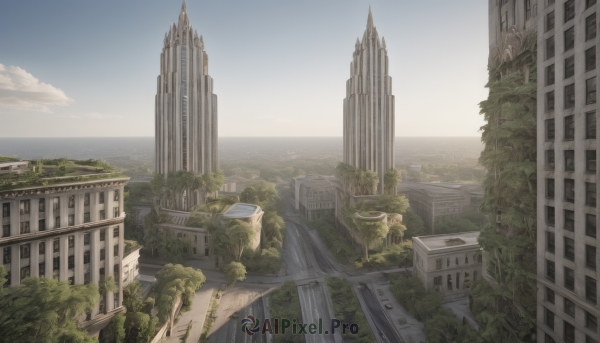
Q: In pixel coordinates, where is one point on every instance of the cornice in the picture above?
(62, 187)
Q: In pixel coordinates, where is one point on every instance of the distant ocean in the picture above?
(229, 147)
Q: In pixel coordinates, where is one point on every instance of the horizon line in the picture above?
(237, 137)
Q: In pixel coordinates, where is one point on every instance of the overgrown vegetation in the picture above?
(340, 247)
(170, 190)
(441, 325)
(506, 312)
(175, 282)
(285, 303)
(346, 306)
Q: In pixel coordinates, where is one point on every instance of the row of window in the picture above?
(569, 34)
(26, 272)
(569, 158)
(530, 10)
(25, 205)
(569, 250)
(569, 281)
(569, 127)
(569, 95)
(25, 226)
(569, 190)
(466, 284)
(439, 261)
(569, 66)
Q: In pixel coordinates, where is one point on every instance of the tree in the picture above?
(455, 226)
(391, 179)
(231, 240)
(3, 274)
(175, 282)
(414, 225)
(44, 310)
(260, 193)
(370, 232)
(272, 228)
(115, 331)
(234, 271)
(398, 230)
(132, 299)
(389, 203)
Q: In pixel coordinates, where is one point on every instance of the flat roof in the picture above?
(241, 210)
(450, 240)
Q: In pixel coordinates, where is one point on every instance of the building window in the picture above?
(570, 39)
(591, 322)
(527, 9)
(467, 259)
(590, 91)
(550, 188)
(549, 320)
(569, 279)
(569, 190)
(548, 338)
(590, 257)
(569, 307)
(56, 245)
(42, 205)
(6, 230)
(569, 332)
(449, 282)
(86, 280)
(589, 3)
(86, 238)
(25, 251)
(590, 27)
(549, 21)
(588, 339)
(549, 295)
(206, 251)
(72, 201)
(569, 67)
(590, 225)
(569, 249)
(86, 217)
(550, 271)
(42, 225)
(550, 246)
(6, 256)
(24, 206)
(41, 248)
(590, 194)
(102, 254)
(550, 101)
(569, 160)
(590, 289)
(549, 159)
(102, 234)
(56, 263)
(71, 241)
(569, 10)
(590, 125)
(590, 59)
(102, 215)
(438, 264)
(24, 227)
(116, 198)
(550, 215)
(71, 262)
(56, 204)
(101, 198)
(86, 257)
(57, 222)
(550, 133)
(25, 272)
(194, 251)
(6, 210)
(116, 250)
(550, 47)
(590, 161)
(115, 212)
(42, 269)
(503, 23)
(71, 220)
(116, 232)
(569, 96)
(569, 220)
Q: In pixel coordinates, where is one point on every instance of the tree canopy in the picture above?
(173, 282)
(234, 271)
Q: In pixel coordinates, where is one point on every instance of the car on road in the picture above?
(388, 306)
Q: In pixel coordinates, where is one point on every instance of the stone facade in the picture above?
(71, 232)
(448, 264)
(369, 117)
(186, 108)
(313, 196)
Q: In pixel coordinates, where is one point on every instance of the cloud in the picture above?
(22, 91)
(94, 115)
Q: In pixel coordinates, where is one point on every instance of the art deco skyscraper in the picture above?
(186, 108)
(369, 107)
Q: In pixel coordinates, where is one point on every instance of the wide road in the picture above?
(378, 317)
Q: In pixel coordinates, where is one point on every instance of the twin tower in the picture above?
(186, 108)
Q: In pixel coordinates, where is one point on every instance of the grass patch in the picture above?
(285, 303)
(347, 308)
(215, 300)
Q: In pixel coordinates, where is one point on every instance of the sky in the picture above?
(89, 68)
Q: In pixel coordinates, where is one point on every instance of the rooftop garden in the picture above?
(55, 171)
(130, 245)
(4, 159)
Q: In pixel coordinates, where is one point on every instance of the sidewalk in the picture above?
(196, 315)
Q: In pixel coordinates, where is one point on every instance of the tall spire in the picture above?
(183, 18)
(370, 19)
(183, 8)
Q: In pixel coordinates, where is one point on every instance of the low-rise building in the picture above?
(17, 167)
(131, 266)
(448, 264)
(313, 195)
(68, 227)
